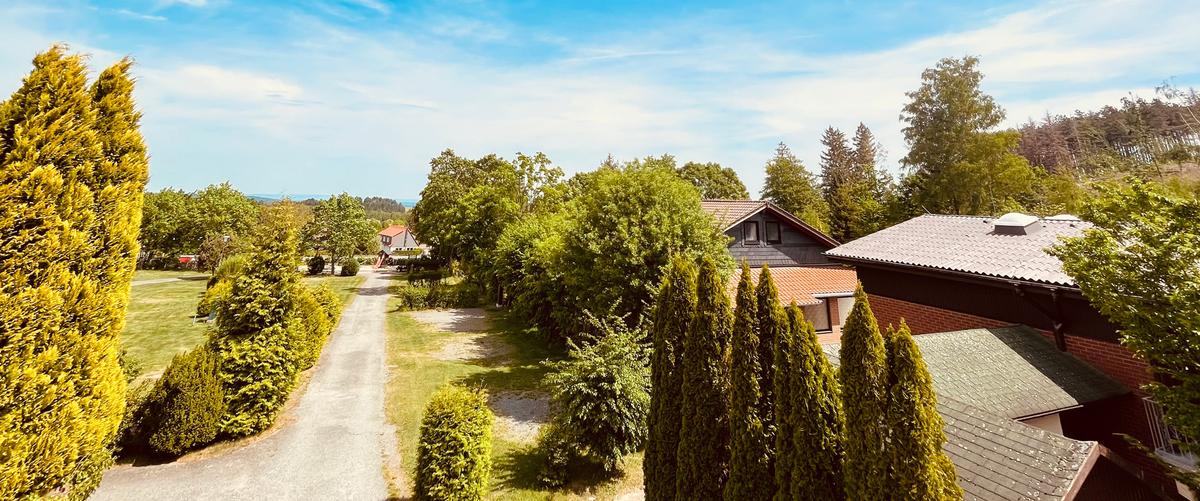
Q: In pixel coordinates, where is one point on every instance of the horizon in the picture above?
(334, 96)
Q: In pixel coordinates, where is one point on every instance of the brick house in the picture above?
(762, 233)
(953, 273)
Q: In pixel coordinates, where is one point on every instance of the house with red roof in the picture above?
(762, 233)
(397, 241)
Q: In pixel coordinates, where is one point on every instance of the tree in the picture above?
(74, 168)
(750, 475)
(340, 227)
(673, 310)
(958, 165)
(863, 377)
(838, 166)
(166, 223)
(623, 231)
(220, 209)
(714, 181)
(844, 186)
(786, 455)
(454, 453)
(918, 468)
(772, 327)
(793, 188)
(817, 422)
(602, 395)
(703, 456)
(1137, 265)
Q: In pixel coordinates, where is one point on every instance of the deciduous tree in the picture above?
(714, 181)
(340, 227)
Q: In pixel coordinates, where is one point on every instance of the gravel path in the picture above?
(330, 444)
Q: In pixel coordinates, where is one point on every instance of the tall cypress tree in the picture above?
(750, 475)
(703, 455)
(917, 465)
(817, 421)
(863, 377)
(672, 313)
(772, 326)
(785, 401)
(63, 390)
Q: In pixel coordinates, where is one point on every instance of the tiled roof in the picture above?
(803, 284)
(392, 230)
(1013, 372)
(998, 458)
(728, 212)
(967, 244)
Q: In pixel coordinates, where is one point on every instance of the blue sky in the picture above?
(317, 96)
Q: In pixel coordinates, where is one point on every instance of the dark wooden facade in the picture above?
(794, 247)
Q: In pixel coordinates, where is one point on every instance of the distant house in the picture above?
(763, 233)
(961, 273)
(397, 241)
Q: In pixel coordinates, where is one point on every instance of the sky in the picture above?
(325, 96)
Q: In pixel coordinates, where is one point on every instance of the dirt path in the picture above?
(330, 444)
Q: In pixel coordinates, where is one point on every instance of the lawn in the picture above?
(157, 274)
(419, 366)
(159, 322)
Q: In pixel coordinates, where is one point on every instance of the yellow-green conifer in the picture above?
(673, 311)
(750, 475)
(817, 422)
(863, 376)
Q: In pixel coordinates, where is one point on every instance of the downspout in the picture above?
(1056, 317)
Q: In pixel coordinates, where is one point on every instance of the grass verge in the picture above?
(416, 371)
(159, 323)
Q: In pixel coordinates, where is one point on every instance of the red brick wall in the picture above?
(1098, 421)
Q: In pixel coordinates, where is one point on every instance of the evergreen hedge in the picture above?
(750, 475)
(454, 454)
(74, 167)
(786, 347)
(703, 454)
(185, 408)
(816, 420)
(863, 377)
(673, 311)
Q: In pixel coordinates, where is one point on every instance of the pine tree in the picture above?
(674, 309)
(918, 466)
(817, 420)
(866, 149)
(750, 475)
(863, 377)
(703, 455)
(785, 401)
(837, 162)
(61, 309)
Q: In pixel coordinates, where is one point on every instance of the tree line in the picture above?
(745, 404)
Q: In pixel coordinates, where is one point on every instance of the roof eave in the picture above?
(960, 275)
(1081, 475)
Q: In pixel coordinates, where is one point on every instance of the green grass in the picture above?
(159, 323)
(156, 274)
(416, 374)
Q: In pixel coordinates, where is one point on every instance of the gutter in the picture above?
(1081, 477)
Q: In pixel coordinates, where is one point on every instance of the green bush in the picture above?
(419, 297)
(131, 436)
(426, 277)
(213, 297)
(454, 455)
(232, 267)
(412, 297)
(349, 268)
(316, 265)
(601, 394)
(330, 302)
(185, 407)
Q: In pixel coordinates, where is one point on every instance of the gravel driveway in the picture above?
(330, 444)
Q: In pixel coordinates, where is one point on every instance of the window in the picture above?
(387, 240)
(773, 236)
(1166, 440)
(750, 232)
(818, 315)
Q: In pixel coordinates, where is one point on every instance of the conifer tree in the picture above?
(750, 475)
(785, 430)
(772, 322)
(863, 377)
(673, 311)
(918, 468)
(817, 421)
(61, 308)
(703, 455)
(791, 186)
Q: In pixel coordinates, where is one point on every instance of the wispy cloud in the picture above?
(139, 15)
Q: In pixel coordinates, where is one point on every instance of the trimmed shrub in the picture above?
(349, 268)
(426, 277)
(750, 474)
(454, 455)
(419, 297)
(316, 265)
(330, 302)
(315, 324)
(184, 410)
(601, 395)
(213, 297)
